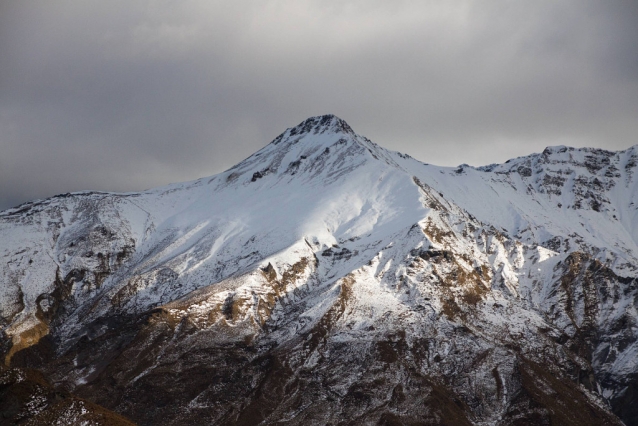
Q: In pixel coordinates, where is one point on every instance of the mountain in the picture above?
(327, 280)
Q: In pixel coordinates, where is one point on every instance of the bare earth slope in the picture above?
(326, 280)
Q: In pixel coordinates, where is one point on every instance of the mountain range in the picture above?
(327, 280)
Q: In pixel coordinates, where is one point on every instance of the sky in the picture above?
(127, 95)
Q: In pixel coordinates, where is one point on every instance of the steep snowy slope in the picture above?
(565, 199)
(326, 186)
(325, 278)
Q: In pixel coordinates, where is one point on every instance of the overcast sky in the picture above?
(125, 95)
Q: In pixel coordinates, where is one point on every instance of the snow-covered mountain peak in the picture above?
(324, 262)
(322, 148)
(321, 124)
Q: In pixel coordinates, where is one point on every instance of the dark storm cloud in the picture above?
(126, 95)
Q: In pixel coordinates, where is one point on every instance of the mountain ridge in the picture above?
(325, 123)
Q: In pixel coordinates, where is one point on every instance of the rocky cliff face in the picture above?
(326, 280)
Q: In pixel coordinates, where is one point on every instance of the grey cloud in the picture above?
(126, 95)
